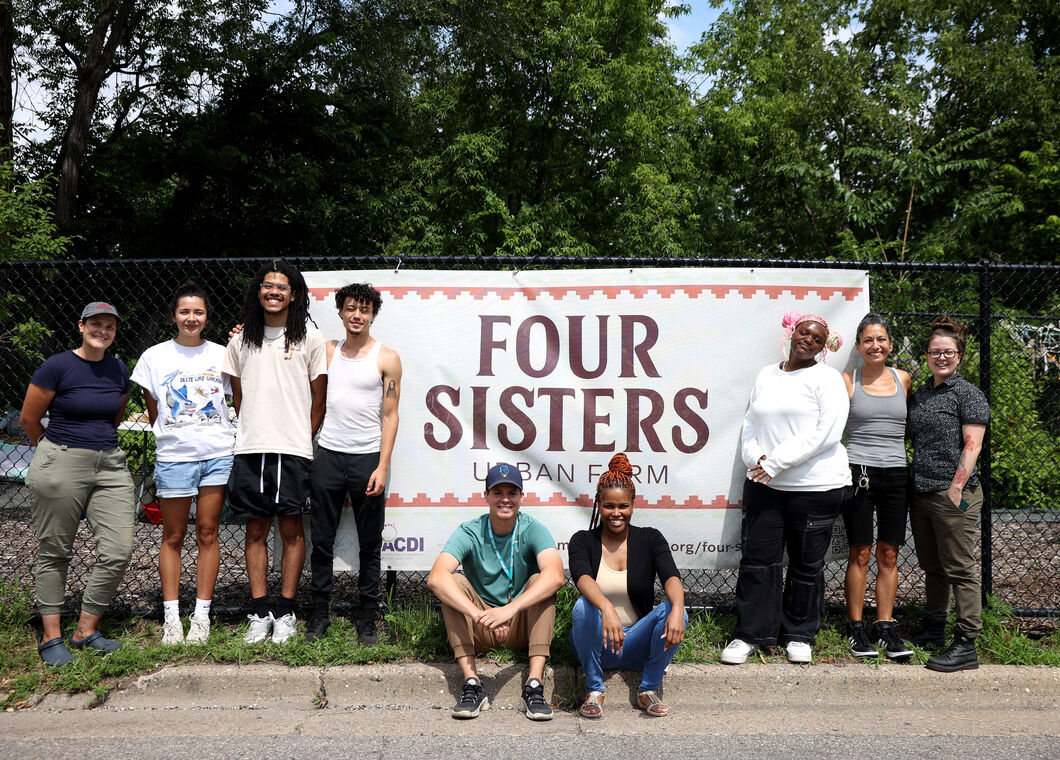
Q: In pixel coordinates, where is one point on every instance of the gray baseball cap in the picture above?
(99, 307)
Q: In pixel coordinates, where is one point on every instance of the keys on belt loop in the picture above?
(863, 481)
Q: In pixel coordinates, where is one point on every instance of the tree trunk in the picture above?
(7, 78)
(106, 35)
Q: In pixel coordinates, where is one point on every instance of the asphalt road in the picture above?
(402, 711)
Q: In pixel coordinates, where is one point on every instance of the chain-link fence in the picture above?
(1014, 356)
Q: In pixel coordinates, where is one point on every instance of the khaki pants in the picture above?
(530, 630)
(945, 538)
(66, 483)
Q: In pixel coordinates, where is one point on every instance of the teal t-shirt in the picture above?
(470, 543)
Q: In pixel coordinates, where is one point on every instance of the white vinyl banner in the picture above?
(555, 371)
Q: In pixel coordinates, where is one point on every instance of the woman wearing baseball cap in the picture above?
(78, 469)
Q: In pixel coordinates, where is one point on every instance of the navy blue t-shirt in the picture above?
(87, 399)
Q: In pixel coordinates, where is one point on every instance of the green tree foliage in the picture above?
(880, 129)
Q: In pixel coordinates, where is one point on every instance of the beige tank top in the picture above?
(613, 584)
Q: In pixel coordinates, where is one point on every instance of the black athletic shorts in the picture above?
(886, 497)
(267, 485)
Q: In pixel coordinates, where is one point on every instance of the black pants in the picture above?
(767, 604)
(335, 475)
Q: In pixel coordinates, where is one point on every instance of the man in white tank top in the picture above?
(353, 456)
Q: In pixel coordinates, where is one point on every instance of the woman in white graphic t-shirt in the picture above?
(185, 394)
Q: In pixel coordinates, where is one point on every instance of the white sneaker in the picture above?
(198, 631)
(737, 652)
(799, 651)
(283, 628)
(258, 630)
(172, 631)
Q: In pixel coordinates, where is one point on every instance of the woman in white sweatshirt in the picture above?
(796, 471)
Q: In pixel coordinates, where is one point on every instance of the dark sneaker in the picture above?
(891, 643)
(960, 656)
(859, 640)
(473, 700)
(317, 627)
(367, 635)
(533, 701)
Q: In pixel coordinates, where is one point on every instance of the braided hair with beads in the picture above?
(619, 475)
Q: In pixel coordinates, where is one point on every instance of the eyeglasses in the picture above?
(949, 353)
(275, 286)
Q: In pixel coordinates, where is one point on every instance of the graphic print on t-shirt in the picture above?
(194, 398)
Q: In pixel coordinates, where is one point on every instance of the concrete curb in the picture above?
(436, 686)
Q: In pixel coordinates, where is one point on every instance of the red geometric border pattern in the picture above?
(558, 500)
(774, 292)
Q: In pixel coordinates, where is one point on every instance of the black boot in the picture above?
(932, 633)
(960, 656)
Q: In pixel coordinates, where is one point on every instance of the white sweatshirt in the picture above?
(796, 420)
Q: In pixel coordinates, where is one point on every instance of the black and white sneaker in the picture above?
(533, 701)
(473, 700)
(892, 643)
(859, 640)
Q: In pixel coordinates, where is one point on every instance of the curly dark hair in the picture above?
(253, 315)
(619, 475)
(360, 292)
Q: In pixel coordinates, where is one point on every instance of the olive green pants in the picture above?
(66, 483)
(945, 540)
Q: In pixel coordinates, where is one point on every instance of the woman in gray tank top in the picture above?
(876, 448)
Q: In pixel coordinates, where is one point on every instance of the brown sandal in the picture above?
(593, 706)
(649, 702)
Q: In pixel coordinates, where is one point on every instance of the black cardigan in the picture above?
(647, 556)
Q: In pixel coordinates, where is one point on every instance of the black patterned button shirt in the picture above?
(936, 414)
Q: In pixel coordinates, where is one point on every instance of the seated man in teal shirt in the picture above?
(507, 594)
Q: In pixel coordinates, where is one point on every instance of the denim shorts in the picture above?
(176, 479)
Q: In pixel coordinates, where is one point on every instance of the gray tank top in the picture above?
(876, 426)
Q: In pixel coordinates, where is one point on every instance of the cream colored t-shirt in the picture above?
(274, 414)
(613, 584)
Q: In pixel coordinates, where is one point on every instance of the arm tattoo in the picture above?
(960, 477)
(391, 390)
(969, 444)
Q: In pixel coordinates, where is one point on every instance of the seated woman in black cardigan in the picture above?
(615, 625)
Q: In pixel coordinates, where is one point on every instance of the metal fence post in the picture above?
(986, 526)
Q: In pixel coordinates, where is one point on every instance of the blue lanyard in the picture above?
(509, 569)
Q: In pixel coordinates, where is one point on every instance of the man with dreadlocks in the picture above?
(507, 594)
(278, 373)
(616, 623)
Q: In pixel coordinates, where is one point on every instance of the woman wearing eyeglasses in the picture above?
(947, 422)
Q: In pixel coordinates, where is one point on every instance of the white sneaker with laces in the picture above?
(799, 652)
(258, 630)
(737, 652)
(198, 631)
(172, 631)
(283, 628)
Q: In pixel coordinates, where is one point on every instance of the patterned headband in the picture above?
(792, 319)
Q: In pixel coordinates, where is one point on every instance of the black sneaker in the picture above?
(317, 627)
(533, 701)
(859, 641)
(367, 635)
(891, 642)
(473, 700)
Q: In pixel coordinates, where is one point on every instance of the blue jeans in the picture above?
(644, 647)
